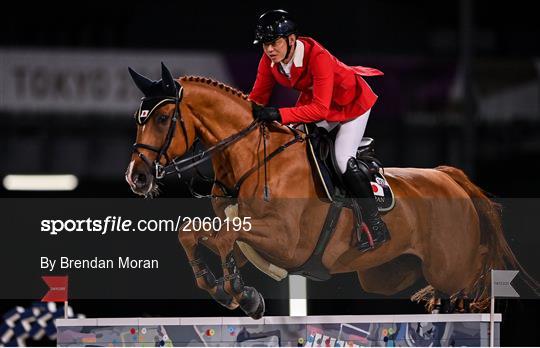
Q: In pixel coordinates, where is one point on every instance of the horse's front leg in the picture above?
(204, 277)
(249, 299)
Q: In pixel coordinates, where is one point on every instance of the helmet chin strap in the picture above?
(288, 48)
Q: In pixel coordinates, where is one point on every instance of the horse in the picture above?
(443, 227)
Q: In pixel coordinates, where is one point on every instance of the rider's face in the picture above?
(277, 49)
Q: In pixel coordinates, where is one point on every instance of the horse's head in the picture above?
(162, 133)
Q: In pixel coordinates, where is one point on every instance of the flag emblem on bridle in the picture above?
(143, 116)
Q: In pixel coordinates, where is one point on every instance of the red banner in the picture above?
(58, 288)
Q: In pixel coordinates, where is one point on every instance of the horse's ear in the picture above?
(167, 81)
(142, 82)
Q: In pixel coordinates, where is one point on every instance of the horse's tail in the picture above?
(499, 255)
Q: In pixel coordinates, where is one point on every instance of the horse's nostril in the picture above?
(140, 179)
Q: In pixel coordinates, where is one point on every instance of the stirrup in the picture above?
(368, 242)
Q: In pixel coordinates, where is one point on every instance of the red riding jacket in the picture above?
(330, 90)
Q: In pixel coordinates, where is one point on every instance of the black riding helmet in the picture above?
(273, 25)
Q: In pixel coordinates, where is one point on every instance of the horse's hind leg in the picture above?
(393, 276)
(401, 273)
(453, 282)
(204, 277)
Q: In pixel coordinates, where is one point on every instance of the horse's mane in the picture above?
(215, 83)
(231, 90)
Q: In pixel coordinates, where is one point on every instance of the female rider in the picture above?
(332, 93)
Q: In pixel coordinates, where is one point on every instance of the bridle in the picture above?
(156, 168)
(179, 166)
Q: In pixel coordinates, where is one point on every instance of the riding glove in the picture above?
(266, 114)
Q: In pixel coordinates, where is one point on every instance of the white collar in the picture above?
(298, 58)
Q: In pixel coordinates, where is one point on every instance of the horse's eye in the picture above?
(163, 118)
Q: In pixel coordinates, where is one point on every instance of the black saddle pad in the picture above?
(322, 157)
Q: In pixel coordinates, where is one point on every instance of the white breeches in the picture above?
(348, 138)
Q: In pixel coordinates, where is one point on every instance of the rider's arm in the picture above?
(323, 85)
(264, 83)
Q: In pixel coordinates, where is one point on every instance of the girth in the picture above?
(313, 268)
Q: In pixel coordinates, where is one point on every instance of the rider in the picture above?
(332, 93)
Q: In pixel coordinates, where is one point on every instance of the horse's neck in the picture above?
(219, 115)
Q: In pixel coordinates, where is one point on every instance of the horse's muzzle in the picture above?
(139, 179)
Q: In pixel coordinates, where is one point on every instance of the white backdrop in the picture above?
(74, 81)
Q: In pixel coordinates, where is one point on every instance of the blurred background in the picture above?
(461, 87)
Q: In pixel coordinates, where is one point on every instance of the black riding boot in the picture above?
(359, 187)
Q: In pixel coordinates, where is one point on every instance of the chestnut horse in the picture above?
(443, 227)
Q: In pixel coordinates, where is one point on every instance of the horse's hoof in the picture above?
(252, 303)
(259, 313)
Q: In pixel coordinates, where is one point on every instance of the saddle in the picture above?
(322, 157)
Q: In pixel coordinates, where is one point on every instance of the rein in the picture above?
(234, 191)
(178, 167)
(174, 165)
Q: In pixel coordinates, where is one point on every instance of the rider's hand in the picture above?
(266, 114)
